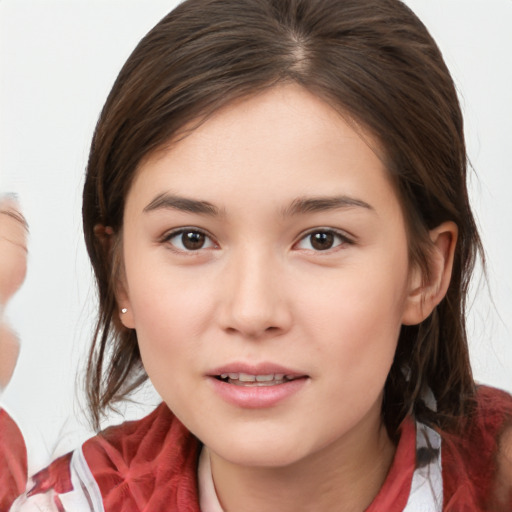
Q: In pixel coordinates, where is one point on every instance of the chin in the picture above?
(263, 453)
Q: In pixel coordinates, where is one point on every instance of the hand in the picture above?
(13, 268)
(13, 248)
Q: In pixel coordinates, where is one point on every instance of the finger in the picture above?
(13, 225)
(13, 248)
(9, 350)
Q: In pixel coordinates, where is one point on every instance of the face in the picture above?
(267, 277)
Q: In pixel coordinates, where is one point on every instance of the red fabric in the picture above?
(469, 461)
(56, 477)
(146, 465)
(151, 464)
(394, 494)
(13, 461)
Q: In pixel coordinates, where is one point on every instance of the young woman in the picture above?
(276, 211)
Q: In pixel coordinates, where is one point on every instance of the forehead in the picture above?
(283, 142)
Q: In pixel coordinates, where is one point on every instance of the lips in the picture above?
(247, 379)
(256, 386)
(265, 374)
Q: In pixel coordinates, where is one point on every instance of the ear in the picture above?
(112, 249)
(424, 296)
(123, 301)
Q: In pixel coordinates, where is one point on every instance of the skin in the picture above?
(259, 290)
(13, 268)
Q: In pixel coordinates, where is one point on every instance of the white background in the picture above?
(58, 60)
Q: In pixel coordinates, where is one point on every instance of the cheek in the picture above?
(368, 297)
(354, 350)
(356, 320)
(170, 311)
(162, 312)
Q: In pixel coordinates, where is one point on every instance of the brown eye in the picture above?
(323, 240)
(192, 240)
(187, 240)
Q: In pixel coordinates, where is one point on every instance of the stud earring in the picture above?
(124, 310)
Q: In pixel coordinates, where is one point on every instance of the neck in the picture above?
(345, 475)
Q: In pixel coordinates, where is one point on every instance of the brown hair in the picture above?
(371, 59)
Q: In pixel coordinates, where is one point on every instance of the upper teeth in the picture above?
(246, 377)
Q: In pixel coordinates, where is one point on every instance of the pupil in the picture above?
(193, 240)
(322, 241)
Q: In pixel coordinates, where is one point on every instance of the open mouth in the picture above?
(245, 379)
(259, 386)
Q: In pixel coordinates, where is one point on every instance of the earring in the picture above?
(124, 310)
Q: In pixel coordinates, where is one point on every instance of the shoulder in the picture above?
(502, 490)
(495, 410)
(154, 459)
(145, 463)
(122, 445)
(494, 405)
(477, 463)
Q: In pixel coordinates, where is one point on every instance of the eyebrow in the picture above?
(301, 205)
(169, 201)
(304, 205)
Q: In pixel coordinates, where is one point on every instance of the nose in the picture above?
(254, 297)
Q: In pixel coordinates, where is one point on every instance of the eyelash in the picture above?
(342, 238)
